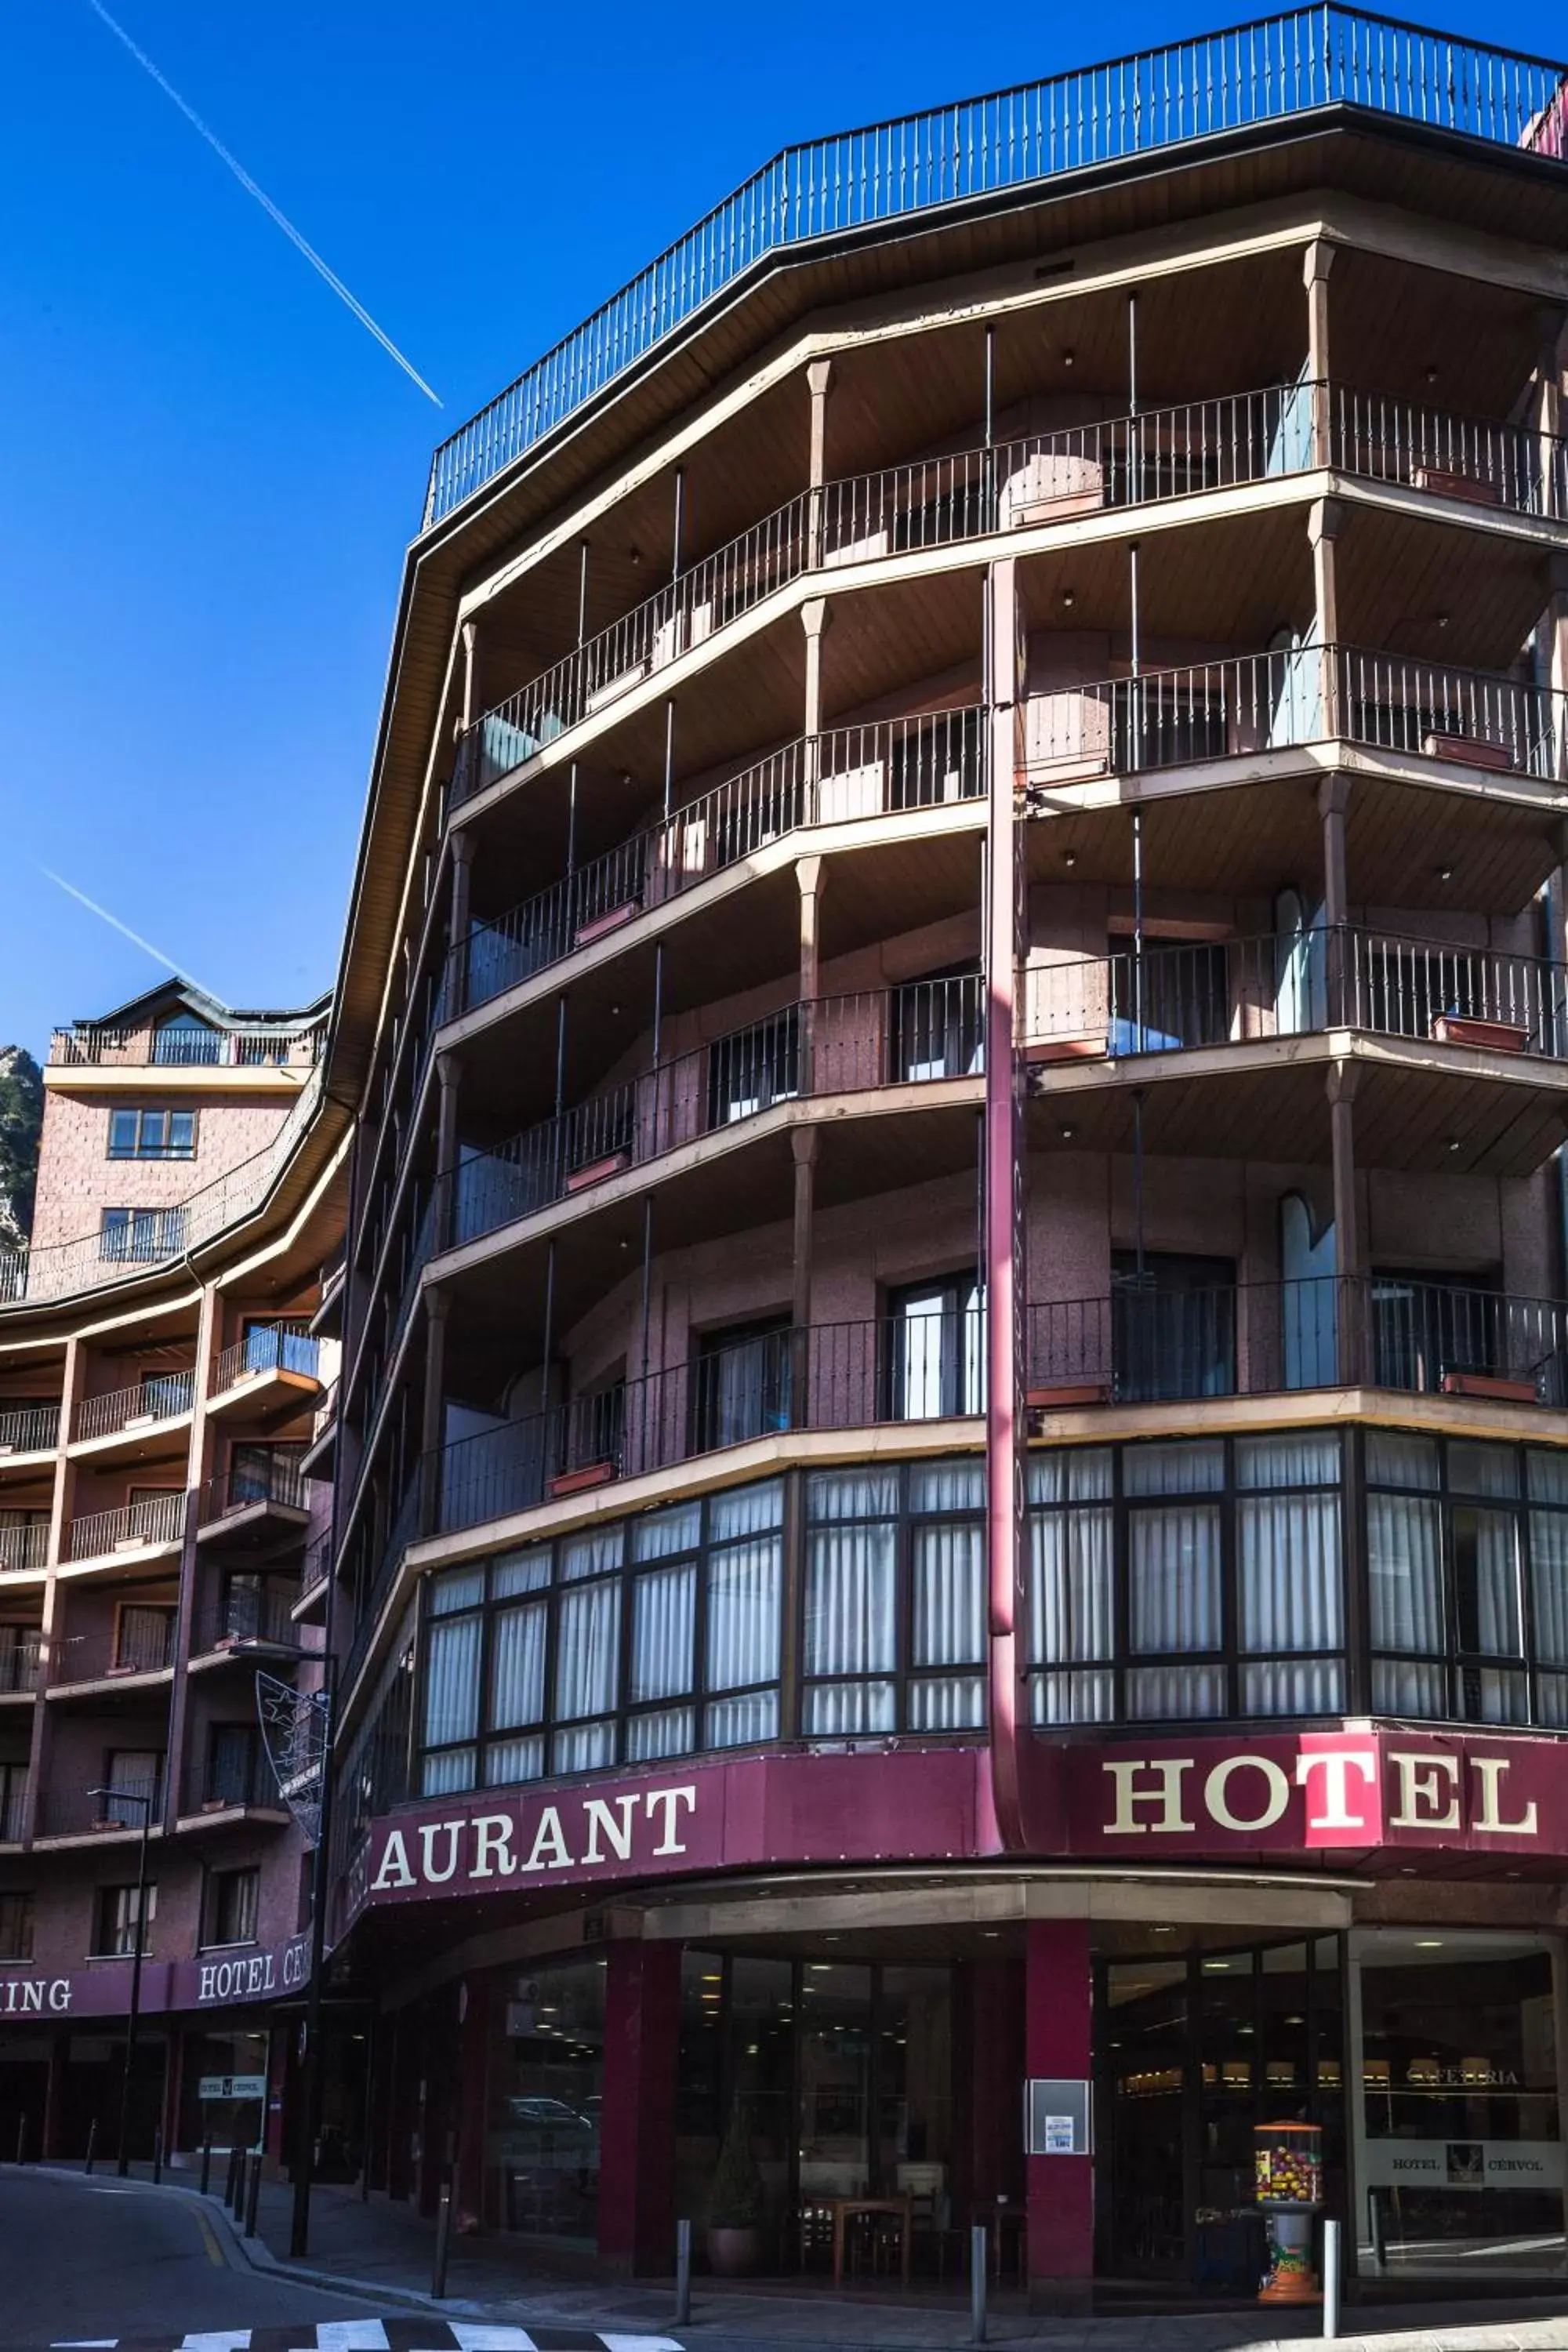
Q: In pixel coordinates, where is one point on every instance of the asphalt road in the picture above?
(103, 2258)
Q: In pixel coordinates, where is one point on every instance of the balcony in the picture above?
(1047, 479)
(851, 775)
(262, 1495)
(241, 1617)
(25, 1549)
(1156, 100)
(178, 1046)
(117, 1812)
(121, 1657)
(315, 1579)
(35, 1429)
(153, 1523)
(131, 1414)
(13, 1802)
(274, 1366)
(226, 1787)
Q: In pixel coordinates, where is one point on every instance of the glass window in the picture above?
(114, 1922)
(545, 2088)
(135, 1134)
(17, 1927)
(228, 1912)
(851, 1605)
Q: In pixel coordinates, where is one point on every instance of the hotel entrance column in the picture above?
(637, 2126)
(1057, 2045)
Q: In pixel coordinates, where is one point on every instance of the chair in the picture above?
(930, 2209)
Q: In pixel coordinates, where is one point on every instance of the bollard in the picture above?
(157, 2155)
(239, 2183)
(206, 2164)
(978, 2278)
(1330, 2281)
(442, 2236)
(253, 2193)
(21, 2139)
(1375, 2219)
(91, 2143)
(683, 2273)
(230, 2176)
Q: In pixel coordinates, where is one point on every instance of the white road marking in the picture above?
(350, 2336)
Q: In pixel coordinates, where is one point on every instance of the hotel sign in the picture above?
(1316, 1793)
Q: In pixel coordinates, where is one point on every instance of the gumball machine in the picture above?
(1288, 2161)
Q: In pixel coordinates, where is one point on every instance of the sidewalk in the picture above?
(382, 2250)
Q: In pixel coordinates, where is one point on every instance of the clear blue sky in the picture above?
(211, 470)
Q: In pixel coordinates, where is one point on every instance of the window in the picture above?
(938, 1026)
(114, 1923)
(234, 1765)
(895, 1589)
(19, 1647)
(13, 1802)
(1457, 1566)
(752, 1068)
(140, 1236)
(742, 1383)
(936, 1350)
(132, 1774)
(228, 1907)
(1173, 1325)
(144, 1639)
(151, 1134)
(16, 1927)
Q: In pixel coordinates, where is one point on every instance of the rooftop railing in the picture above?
(177, 1046)
(1045, 478)
(1269, 71)
(157, 1237)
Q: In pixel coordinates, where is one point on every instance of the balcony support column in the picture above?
(1341, 1080)
(457, 924)
(1334, 800)
(73, 1387)
(1548, 407)
(450, 1075)
(811, 879)
(203, 1453)
(1554, 628)
(1316, 262)
(471, 675)
(1323, 525)
(805, 1142)
(1006, 1207)
(819, 382)
(814, 619)
(433, 1409)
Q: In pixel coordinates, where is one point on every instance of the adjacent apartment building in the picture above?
(163, 1373)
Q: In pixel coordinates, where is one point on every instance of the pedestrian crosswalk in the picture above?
(379, 2335)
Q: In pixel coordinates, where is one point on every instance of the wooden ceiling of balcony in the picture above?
(1254, 839)
(1410, 1111)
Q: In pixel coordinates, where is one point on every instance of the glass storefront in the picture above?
(546, 2089)
(1459, 2150)
(223, 2090)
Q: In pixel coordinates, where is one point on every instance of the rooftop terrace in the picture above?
(1276, 69)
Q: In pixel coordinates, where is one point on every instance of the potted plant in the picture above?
(735, 2203)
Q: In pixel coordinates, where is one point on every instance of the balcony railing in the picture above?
(227, 1783)
(1051, 477)
(67, 1811)
(268, 1348)
(1235, 992)
(152, 1519)
(57, 1269)
(13, 1802)
(135, 1640)
(158, 1396)
(177, 1046)
(20, 1660)
(35, 1429)
(1269, 72)
(257, 1474)
(25, 1547)
(235, 1615)
(847, 773)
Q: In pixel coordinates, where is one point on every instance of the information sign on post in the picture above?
(1057, 2118)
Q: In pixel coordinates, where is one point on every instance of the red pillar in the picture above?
(637, 2142)
(1057, 2042)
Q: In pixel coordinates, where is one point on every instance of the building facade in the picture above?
(163, 1374)
(955, 1447)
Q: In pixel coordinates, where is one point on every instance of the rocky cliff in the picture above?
(21, 1117)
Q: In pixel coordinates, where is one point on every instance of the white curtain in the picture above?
(953, 1485)
(1293, 1687)
(948, 1603)
(1486, 1556)
(592, 1555)
(741, 1721)
(1076, 1475)
(1157, 1692)
(1290, 1595)
(1549, 1585)
(517, 1667)
(514, 1760)
(664, 1624)
(836, 1708)
(446, 1774)
(1187, 1467)
(464, 1588)
(1396, 1459)
(951, 1702)
(1405, 1573)
(662, 1534)
(1173, 1577)
(745, 1581)
(452, 1680)
(520, 1571)
(667, 1731)
(851, 1599)
(583, 1749)
(1400, 1686)
(587, 1638)
(745, 1511)
(1071, 1587)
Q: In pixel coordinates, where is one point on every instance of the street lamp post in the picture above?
(145, 1800)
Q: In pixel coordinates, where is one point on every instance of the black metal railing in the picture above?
(1235, 992)
(256, 1474)
(1267, 71)
(21, 1655)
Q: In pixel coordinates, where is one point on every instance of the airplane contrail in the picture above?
(265, 201)
(125, 930)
